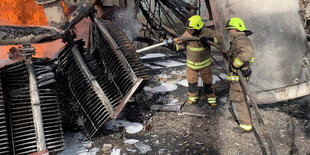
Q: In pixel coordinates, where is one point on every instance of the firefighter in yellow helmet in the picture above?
(242, 53)
(198, 58)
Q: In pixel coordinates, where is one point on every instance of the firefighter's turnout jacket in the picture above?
(199, 60)
(242, 53)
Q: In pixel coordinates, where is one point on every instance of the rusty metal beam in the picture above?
(78, 14)
(16, 35)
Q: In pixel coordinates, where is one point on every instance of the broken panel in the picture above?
(81, 86)
(93, 86)
(102, 81)
(108, 37)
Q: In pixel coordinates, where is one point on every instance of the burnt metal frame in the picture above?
(95, 85)
(116, 49)
(156, 23)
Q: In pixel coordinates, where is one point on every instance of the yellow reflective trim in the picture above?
(232, 78)
(212, 100)
(198, 65)
(237, 63)
(215, 40)
(192, 98)
(252, 59)
(195, 49)
(246, 127)
(177, 47)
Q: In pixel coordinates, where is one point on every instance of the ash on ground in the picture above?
(200, 129)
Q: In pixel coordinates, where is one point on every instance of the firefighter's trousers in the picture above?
(206, 76)
(238, 102)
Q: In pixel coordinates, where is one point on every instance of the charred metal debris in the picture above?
(99, 81)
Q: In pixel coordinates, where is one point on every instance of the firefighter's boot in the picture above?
(193, 93)
(210, 95)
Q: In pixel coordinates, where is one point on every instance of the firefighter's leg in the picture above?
(239, 106)
(192, 79)
(206, 75)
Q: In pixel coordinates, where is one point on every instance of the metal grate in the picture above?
(104, 43)
(4, 142)
(101, 88)
(20, 111)
(81, 87)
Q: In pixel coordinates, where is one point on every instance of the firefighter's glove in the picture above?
(204, 40)
(173, 47)
(246, 73)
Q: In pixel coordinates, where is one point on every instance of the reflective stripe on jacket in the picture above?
(242, 52)
(196, 51)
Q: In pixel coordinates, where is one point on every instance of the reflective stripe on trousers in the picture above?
(246, 127)
(192, 98)
(199, 65)
(212, 100)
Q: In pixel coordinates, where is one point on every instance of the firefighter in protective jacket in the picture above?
(198, 58)
(242, 53)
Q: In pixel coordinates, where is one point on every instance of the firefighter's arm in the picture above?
(181, 45)
(216, 37)
(246, 53)
(178, 46)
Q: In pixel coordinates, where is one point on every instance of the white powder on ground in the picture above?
(164, 87)
(130, 127)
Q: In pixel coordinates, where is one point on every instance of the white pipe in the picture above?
(166, 42)
(151, 47)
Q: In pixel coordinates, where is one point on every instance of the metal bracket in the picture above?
(304, 62)
(26, 50)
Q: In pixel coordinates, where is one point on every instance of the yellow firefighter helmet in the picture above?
(195, 23)
(235, 23)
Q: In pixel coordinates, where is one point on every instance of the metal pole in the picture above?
(194, 9)
(258, 115)
(35, 103)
